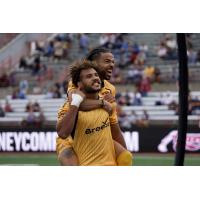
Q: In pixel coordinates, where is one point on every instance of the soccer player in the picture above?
(105, 61)
(91, 131)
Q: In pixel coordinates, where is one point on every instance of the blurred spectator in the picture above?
(36, 65)
(49, 52)
(160, 101)
(12, 79)
(128, 119)
(157, 74)
(162, 51)
(192, 56)
(144, 47)
(143, 120)
(140, 58)
(36, 107)
(4, 80)
(167, 48)
(26, 62)
(170, 101)
(2, 113)
(40, 46)
(193, 105)
(170, 43)
(42, 73)
(17, 94)
(21, 94)
(84, 43)
(29, 106)
(129, 96)
(189, 40)
(23, 86)
(8, 107)
(149, 72)
(122, 100)
(134, 75)
(137, 98)
(37, 90)
(58, 46)
(22, 63)
(116, 76)
(124, 121)
(50, 93)
(30, 120)
(144, 86)
(56, 91)
(39, 121)
(103, 39)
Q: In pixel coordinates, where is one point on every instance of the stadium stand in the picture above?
(156, 113)
(138, 66)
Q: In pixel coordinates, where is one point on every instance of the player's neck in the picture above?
(91, 95)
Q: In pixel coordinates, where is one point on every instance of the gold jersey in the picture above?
(92, 141)
(62, 144)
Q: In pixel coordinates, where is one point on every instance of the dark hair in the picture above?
(76, 68)
(95, 53)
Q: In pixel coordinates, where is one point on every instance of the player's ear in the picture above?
(80, 85)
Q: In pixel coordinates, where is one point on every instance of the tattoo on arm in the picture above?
(68, 158)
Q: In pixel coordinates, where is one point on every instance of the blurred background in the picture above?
(33, 82)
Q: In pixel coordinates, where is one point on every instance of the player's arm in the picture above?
(117, 134)
(90, 104)
(87, 104)
(66, 125)
(115, 128)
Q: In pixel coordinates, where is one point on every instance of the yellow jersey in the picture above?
(62, 144)
(92, 141)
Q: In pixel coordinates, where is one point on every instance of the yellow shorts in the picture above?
(62, 144)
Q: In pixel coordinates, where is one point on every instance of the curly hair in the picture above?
(77, 67)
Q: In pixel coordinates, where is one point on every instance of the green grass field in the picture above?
(49, 159)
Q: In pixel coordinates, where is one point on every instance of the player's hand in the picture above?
(75, 91)
(77, 97)
(108, 107)
(109, 98)
(79, 92)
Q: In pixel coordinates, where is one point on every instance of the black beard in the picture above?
(90, 90)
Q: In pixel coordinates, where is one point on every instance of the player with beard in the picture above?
(105, 61)
(91, 131)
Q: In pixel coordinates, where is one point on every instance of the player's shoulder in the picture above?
(109, 85)
(64, 107)
(71, 86)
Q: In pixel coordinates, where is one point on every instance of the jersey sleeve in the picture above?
(71, 86)
(62, 111)
(113, 117)
(114, 91)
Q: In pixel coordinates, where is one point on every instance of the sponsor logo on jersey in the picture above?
(98, 128)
